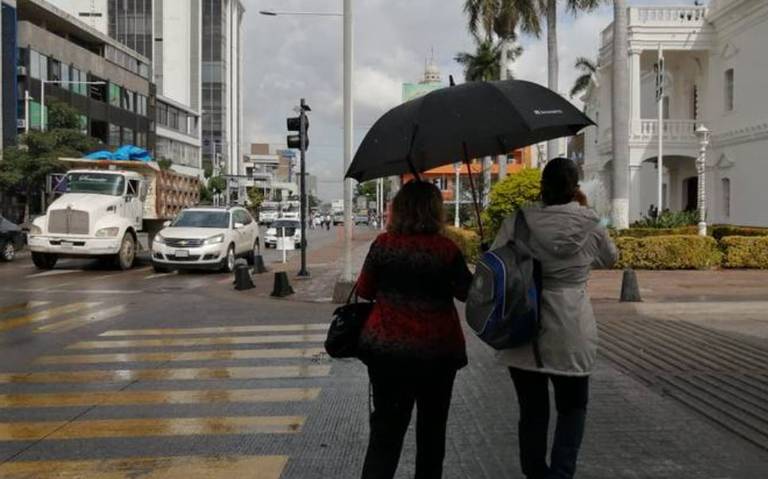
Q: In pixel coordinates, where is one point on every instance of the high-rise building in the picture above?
(8, 88)
(222, 73)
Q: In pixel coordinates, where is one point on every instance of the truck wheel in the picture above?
(7, 251)
(127, 253)
(256, 251)
(228, 263)
(44, 260)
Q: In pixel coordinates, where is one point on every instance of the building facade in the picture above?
(58, 52)
(169, 33)
(221, 80)
(716, 75)
(8, 89)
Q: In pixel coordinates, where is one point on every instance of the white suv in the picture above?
(206, 238)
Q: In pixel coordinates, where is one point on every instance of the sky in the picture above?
(286, 58)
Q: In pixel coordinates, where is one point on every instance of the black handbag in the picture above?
(346, 326)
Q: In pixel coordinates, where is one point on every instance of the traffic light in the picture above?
(299, 124)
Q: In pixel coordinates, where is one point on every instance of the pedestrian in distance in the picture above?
(412, 342)
(568, 239)
(328, 222)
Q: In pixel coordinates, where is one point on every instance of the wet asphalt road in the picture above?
(106, 373)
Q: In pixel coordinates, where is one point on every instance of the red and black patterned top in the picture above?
(414, 280)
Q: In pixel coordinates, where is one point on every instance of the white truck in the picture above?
(291, 210)
(269, 211)
(109, 209)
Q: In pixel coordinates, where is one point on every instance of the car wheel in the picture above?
(127, 254)
(7, 251)
(228, 263)
(44, 260)
(159, 268)
(256, 251)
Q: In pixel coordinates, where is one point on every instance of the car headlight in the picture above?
(214, 240)
(110, 232)
(35, 230)
(159, 239)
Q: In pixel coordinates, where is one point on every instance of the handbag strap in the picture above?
(351, 293)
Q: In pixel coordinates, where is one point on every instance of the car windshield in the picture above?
(202, 219)
(285, 224)
(98, 183)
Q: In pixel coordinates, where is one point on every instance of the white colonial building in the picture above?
(717, 75)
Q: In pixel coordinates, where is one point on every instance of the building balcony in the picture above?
(679, 135)
(652, 21)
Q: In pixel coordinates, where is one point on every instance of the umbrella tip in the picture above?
(450, 81)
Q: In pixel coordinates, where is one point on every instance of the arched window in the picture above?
(726, 187)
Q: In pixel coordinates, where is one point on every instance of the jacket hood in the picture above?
(561, 230)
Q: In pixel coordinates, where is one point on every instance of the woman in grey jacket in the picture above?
(566, 236)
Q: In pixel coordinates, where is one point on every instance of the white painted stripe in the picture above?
(55, 272)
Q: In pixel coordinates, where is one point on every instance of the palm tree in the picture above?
(620, 118)
(485, 63)
(588, 70)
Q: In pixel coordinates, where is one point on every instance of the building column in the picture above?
(635, 80)
(635, 206)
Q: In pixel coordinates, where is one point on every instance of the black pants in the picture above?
(571, 397)
(393, 398)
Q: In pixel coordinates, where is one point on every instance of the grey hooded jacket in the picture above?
(568, 240)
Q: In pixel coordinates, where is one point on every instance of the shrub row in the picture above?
(721, 231)
(717, 231)
(668, 252)
(745, 251)
(467, 240)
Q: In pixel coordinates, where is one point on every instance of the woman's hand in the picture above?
(580, 198)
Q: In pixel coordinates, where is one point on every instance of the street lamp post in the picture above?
(702, 132)
(346, 276)
(58, 82)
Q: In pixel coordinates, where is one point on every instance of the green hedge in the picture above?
(467, 240)
(721, 231)
(668, 252)
(745, 252)
(649, 232)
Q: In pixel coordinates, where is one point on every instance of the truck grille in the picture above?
(73, 222)
(183, 243)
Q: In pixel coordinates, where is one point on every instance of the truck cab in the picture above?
(100, 213)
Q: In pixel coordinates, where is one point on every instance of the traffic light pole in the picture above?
(303, 185)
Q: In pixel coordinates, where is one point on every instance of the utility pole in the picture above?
(346, 276)
(660, 103)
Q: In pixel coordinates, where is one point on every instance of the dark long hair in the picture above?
(559, 182)
(417, 209)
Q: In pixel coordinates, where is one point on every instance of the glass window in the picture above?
(127, 101)
(114, 135)
(729, 83)
(43, 66)
(127, 136)
(133, 188)
(726, 184)
(54, 70)
(65, 75)
(99, 183)
(83, 124)
(202, 219)
(114, 95)
(162, 114)
(34, 64)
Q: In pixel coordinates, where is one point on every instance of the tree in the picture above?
(25, 168)
(255, 198)
(509, 195)
(620, 118)
(588, 70)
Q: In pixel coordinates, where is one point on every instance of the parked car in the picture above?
(275, 230)
(362, 220)
(206, 238)
(338, 218)
(12, 239)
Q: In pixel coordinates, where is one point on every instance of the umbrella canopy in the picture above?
(457, 123)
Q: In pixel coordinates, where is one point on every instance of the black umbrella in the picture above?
(457, 123)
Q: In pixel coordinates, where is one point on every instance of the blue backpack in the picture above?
(504, 299)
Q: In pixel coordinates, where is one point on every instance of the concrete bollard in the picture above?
(630, 289)
(282, 287)
(258, 265)
(243, 280)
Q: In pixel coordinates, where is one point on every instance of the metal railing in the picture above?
(674, 130)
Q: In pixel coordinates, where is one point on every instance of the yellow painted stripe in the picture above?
(187, 374)
(262, 328)
(125, 398)
(178, 467)
(222, 340)
(21, 306)
(72, 323)
(220, 354)
(192, 426)
(44, 315)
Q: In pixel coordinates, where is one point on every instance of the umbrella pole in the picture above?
(474, 193)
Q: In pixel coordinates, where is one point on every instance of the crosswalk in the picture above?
(50, 317)
(128, 385)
